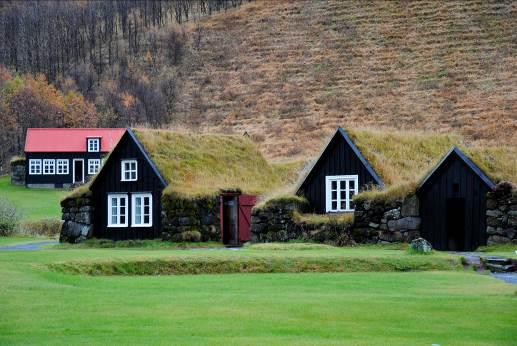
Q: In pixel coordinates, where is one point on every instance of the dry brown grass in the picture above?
(290, 72)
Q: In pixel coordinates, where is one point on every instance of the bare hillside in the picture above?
(289, 72)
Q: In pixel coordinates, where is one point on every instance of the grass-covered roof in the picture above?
(200, 164)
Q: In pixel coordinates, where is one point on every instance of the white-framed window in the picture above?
(141, 210)
(93, 166)
(129, 170)
(93, 144)
(117, 210)
(49, 166)
(62, 166)
(34, 167)
(340, 189)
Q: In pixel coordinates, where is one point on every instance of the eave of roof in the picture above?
(455, 150)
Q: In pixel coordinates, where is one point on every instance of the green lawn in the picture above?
(33, 203)
(40, 306)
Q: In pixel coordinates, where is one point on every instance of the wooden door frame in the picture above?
(73, 170)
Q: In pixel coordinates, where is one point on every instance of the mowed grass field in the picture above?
(33, 204)
(41, 306)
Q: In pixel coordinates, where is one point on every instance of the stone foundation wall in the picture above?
(18, 172)
(275, 222)
(190, 219)
(78, 219)
(378, 221)
(374, 222)
(502, 214)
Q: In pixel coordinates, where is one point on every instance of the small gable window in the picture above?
(93, 166)
(93, 144)
(142, 206)
(62, 166)
(34, 167)
(49, 166)
(117, 210)
(340, 189)
(129, 170)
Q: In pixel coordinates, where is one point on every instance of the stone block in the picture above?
(496, 239)
(373, 225)
(407, 223)
(491, 204)
(391, 236)
(493, 213)
(512, 213)
(512, 221)
(421, 245)
(410, 207)
(392, 214)
(84, 218)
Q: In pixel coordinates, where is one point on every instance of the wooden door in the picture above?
(246, 203)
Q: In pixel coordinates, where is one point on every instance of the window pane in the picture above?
(133, 175)
(350, 195)
(343, 205)
(113, 210)
(122, 202)
(343, 195)
(334, 194)
(352, 204)
(334, 205)
(342, 184)
(114, 202)
(114, 219)
(352, 184)
(146, 219)
(146, 210)
(333, 184)
(122, 219)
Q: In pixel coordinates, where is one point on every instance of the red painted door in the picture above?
(246, 203)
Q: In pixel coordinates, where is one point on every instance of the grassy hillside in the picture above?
(290, 72)
(195, 164)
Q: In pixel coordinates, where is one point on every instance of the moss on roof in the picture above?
(201, 164)
(402, 157)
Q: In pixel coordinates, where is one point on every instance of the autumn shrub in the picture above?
(50, 227)
(9, 218)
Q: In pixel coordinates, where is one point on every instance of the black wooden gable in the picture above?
(452, 154)
(339, 157)
(129, 138)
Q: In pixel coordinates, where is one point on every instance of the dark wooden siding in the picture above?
(58, 179)
(433, 204)
(109, 181)
(338, 159)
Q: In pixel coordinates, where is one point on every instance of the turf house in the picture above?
(374, 186)
(61, 157)
(383, 187)
(164, 184)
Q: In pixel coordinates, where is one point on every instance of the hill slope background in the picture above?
(288, 73)
(285, 72)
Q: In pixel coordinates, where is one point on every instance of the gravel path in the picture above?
(29, 246)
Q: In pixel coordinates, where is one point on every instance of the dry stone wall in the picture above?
(18, 172)
(502, 214)
(276, 222)
(77, 214)
(190, 219)
(379, 221)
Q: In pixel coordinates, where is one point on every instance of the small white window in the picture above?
(93, 166)
(34, 167)
(142, 210)
(49, 166)
(62, 166)
(117, 210)
(340, 189)
(129, 170)
(93, 144)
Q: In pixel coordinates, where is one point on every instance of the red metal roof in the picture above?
(69, 139)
